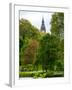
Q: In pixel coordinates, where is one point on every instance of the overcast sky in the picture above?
(36, 18)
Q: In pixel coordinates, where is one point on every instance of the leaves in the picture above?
(30, 52)
(57, 25)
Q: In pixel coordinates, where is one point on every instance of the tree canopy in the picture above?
(57, 25)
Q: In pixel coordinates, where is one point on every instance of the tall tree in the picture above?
(26, 32)
(48, 52)
(57, 25)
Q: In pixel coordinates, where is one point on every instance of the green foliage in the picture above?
(57, 25)
(57, 29)
(41, 74)
(48, 51)
(30, 52)
(26, 29)
(41, 54)
(28, 35)
(28, 67)
(25, 74)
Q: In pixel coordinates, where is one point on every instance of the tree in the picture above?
(26, 32)
(48, 52)
(60, 63)
(30, 52)
(57, 29)
(57, 25)
(26, 29)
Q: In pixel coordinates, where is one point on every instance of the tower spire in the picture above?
(43, 29)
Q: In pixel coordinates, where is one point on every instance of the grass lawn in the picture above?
(40, 74)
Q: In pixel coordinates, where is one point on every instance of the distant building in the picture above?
(43, 29)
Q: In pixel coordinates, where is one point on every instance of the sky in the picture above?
(36, 18)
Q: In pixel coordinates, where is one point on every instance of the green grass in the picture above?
(25, 74)
(37, 74)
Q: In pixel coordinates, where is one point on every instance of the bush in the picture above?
(26, 68)
(36, 75)
(43, 75)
